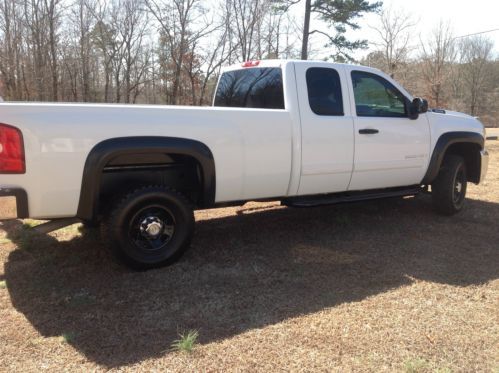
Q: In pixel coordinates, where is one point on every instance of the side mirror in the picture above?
(424, 106)
(416, 107)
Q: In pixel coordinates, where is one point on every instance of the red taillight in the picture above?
(11, 151)
(251, 64)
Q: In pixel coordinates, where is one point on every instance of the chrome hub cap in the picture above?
(152, 227)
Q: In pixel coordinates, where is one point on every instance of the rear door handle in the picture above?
(368, 131)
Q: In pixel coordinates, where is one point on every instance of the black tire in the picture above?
(90, 225)
(150, 227)
(449, 188)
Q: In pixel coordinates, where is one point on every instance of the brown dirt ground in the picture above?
(377, 286)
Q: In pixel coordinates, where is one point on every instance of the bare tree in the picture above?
(37, 45)
(216, 53)
(176, 19)
(394, 32)
(105, 39)
(12, 50)
(52, 13)
(132, 26)
(475, 70)
(79, 67)
(246, 21)
(437, 56)
(107, 50)
(172, 51)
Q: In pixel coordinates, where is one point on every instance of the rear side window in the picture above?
(251, 88)
(324, 91)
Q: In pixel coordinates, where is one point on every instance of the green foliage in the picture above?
(30, 223)
(186, 341)
(25, 238)
(416, 365)
(68, 337)
(3, 285)
(340, 15)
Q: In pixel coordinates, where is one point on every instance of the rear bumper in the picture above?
(13, 203)
(484, 155)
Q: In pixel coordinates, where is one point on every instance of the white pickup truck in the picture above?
(305, 133)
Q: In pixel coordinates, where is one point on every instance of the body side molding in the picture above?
(102, 153)
(443, 143)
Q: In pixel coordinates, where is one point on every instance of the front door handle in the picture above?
(368, 131)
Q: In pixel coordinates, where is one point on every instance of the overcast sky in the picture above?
(466, 17)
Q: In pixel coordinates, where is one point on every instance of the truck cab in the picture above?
(354, 127)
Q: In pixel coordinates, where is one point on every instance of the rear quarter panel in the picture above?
(251, 147)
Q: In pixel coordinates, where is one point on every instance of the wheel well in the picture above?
(471, 155)
(122, 173)
(116, 164)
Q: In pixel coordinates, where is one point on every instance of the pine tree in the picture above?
(338, 15)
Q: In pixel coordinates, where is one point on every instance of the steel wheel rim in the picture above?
(152, 228)
(458, 188)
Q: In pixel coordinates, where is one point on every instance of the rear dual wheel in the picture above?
(150, 227)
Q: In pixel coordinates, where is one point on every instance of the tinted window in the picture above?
(377, 97)
(324, 91)
(253, 88)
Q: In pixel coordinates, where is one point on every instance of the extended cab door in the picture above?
(390, 149)
(327, 128)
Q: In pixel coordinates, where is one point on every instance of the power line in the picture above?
(476, 33)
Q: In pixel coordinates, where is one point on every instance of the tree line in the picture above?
(456, 72)
(171, 51)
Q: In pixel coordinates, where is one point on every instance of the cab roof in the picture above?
(282, 63)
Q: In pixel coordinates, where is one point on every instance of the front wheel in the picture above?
(150, 227)
(449, 188)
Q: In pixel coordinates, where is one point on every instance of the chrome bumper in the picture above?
(484, 158)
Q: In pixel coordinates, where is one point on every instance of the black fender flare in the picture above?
(102, 153)
(443, 143)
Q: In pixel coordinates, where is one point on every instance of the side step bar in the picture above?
(334, 198)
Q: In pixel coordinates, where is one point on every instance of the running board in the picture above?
(331, 199)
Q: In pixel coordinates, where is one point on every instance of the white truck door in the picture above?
(390, 149)
(327, 128)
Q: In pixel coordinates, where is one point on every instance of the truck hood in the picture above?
(451, 121)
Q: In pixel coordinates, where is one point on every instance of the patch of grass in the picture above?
(416, 365)
(68, 337)
(30, 223)
(3, 284)
(25, 238)
(4, 241)
(186, 341)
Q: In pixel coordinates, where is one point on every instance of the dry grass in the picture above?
(378, 286)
